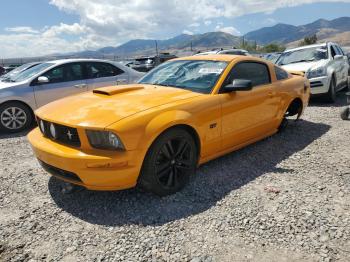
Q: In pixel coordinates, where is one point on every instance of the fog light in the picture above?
(53, 131)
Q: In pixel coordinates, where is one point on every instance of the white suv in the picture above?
(325, 65)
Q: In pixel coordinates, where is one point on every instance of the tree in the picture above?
(309, 40)
(272, 48)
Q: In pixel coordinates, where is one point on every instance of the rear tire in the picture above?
(331, 95)
(169, 163)
(15, 117)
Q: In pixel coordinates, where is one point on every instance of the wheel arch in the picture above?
(170, 120)
(20, 102)
(295, 107)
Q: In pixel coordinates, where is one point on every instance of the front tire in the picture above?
(331, 95)
(169, 163)
(15, 117)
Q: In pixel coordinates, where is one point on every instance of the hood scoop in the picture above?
(113, 90)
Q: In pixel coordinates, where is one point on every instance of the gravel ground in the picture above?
(285, 198)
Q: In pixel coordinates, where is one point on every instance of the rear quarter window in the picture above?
(281, 74)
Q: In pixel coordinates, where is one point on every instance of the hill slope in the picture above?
(283, 33)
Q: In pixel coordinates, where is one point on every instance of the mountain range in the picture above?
(337, 30)
(284, 33)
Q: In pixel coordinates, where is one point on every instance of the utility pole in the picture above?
(191, 47)
(156, 47)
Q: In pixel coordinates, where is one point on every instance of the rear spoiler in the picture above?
(297, 73)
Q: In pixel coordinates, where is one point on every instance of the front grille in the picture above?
(316, 84)
(64, 134)
(60, 173)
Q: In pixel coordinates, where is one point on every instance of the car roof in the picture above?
(306, 46)
(70, 60)
(220, 57)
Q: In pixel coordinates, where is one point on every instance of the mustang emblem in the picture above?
(70, 135)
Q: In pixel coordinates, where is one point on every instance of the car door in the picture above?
(247, 115)
(336, 64)
(63, 80)
(344, 66)
(101, 74)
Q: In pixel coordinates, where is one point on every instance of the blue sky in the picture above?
(39, 27)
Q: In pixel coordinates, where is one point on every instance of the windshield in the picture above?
(303, 55)
(29, 73)
(17, 70)
(196, 75)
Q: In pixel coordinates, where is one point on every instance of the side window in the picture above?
(339, 50)
(280, 73)
(258, 73)
(98, 70)
(65, 73)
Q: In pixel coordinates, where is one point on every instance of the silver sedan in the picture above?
(49, 81)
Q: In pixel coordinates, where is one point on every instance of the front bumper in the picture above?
(92, 169)
(319, 85)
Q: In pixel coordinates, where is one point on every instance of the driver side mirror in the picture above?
(43, 80)
(239, 85)
(338, 57)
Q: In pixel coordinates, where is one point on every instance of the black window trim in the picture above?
(332, 47)
(245, 62)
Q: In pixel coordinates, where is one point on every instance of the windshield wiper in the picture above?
(8, 80)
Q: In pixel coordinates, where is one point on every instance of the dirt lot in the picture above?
(283, 199)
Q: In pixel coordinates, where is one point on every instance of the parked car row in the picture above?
(147, 63)
(33, 86)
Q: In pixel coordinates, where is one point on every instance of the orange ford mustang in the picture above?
(155, 133)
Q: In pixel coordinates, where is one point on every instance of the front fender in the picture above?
(140, 131)
(164, 121)
(21, 94)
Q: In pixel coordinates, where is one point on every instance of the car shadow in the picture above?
(319, 102)
(213, 182)
(5, 135)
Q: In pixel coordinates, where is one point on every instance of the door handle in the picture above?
(80, 86)
(121, 81)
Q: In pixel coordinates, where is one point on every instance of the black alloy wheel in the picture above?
(170, 162)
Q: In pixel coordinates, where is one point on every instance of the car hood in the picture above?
(304, 66)
(4, 85)
(104, 106)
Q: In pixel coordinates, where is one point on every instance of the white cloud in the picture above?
(187, 32)
(229, 29)
(194, 25)
(110, 22)
(74, 29)
(21, 29)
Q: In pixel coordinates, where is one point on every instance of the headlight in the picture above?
(104, 140)
(53, 131)
(42, 126)
(321, 71)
